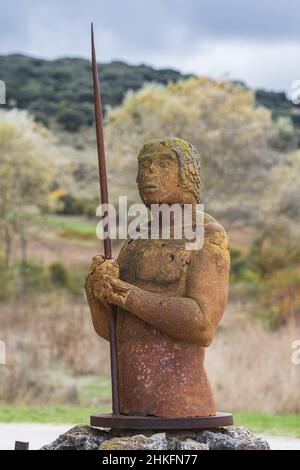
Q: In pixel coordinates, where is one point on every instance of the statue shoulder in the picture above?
(215, 237)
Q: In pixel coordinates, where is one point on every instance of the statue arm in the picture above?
(99, 310)
(96, 293)
(193, 318)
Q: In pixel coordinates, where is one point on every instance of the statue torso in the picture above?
(156, 265)
(155, 368)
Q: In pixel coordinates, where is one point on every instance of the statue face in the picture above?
(158, 178)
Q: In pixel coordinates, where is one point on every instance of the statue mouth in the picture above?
(150, 187)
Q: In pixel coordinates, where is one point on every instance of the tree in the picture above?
(282, 194)
(25, 177)
(286, 137)
(218, 117)
(60, 91)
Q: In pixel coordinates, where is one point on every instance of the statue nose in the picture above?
(152, 168)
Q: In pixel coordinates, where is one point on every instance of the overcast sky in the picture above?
(257, 41)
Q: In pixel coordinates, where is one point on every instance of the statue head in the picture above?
(168, 172)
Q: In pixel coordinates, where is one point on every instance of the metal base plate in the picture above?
(152, 422)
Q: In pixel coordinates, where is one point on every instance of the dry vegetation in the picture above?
(50, 341)
(51, 345)
(250, 368)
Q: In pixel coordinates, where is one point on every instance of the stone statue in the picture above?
(170, 299)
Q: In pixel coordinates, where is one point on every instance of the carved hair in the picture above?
(188, 160)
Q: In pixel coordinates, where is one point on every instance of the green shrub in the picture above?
(58, 274)
(279, 296)
(76, 281)
(72, 205)
(35, 276)
(269, 318)
(73, 234)
(239, 267)
(70, 278)
(38, 277)
(237, 262)
(31, 276)
(7, 288)
(278, 247)
(248, 275)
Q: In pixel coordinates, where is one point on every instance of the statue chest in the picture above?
(156, 265)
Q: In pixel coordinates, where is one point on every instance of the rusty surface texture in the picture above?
(112, 311)
(155, 423)
(170, 300)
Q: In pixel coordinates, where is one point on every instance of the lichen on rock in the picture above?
(232, 438)
(139, 442)
(81, 437)
(89, 438)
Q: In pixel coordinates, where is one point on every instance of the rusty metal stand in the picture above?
(154, 423)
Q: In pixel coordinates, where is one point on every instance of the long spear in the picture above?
(107, 240)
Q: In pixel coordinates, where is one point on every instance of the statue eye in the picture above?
(164, 164)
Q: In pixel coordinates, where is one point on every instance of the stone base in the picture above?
(89, 438)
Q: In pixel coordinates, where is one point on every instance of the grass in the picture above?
(49, 414)
(90, 387)
(73, 224)
(260, 423)
(79, 230)
(276, 425)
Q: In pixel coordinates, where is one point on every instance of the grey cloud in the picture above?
(160, 32)
(138, 25)
(242, 19)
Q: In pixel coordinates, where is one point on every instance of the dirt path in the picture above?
(50, 249)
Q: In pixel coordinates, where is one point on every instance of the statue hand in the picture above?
(99, 270)
(117, 290)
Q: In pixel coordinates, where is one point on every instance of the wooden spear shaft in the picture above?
(107, 240)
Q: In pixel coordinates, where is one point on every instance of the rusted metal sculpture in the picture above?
(169, 300)
(107, 241)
